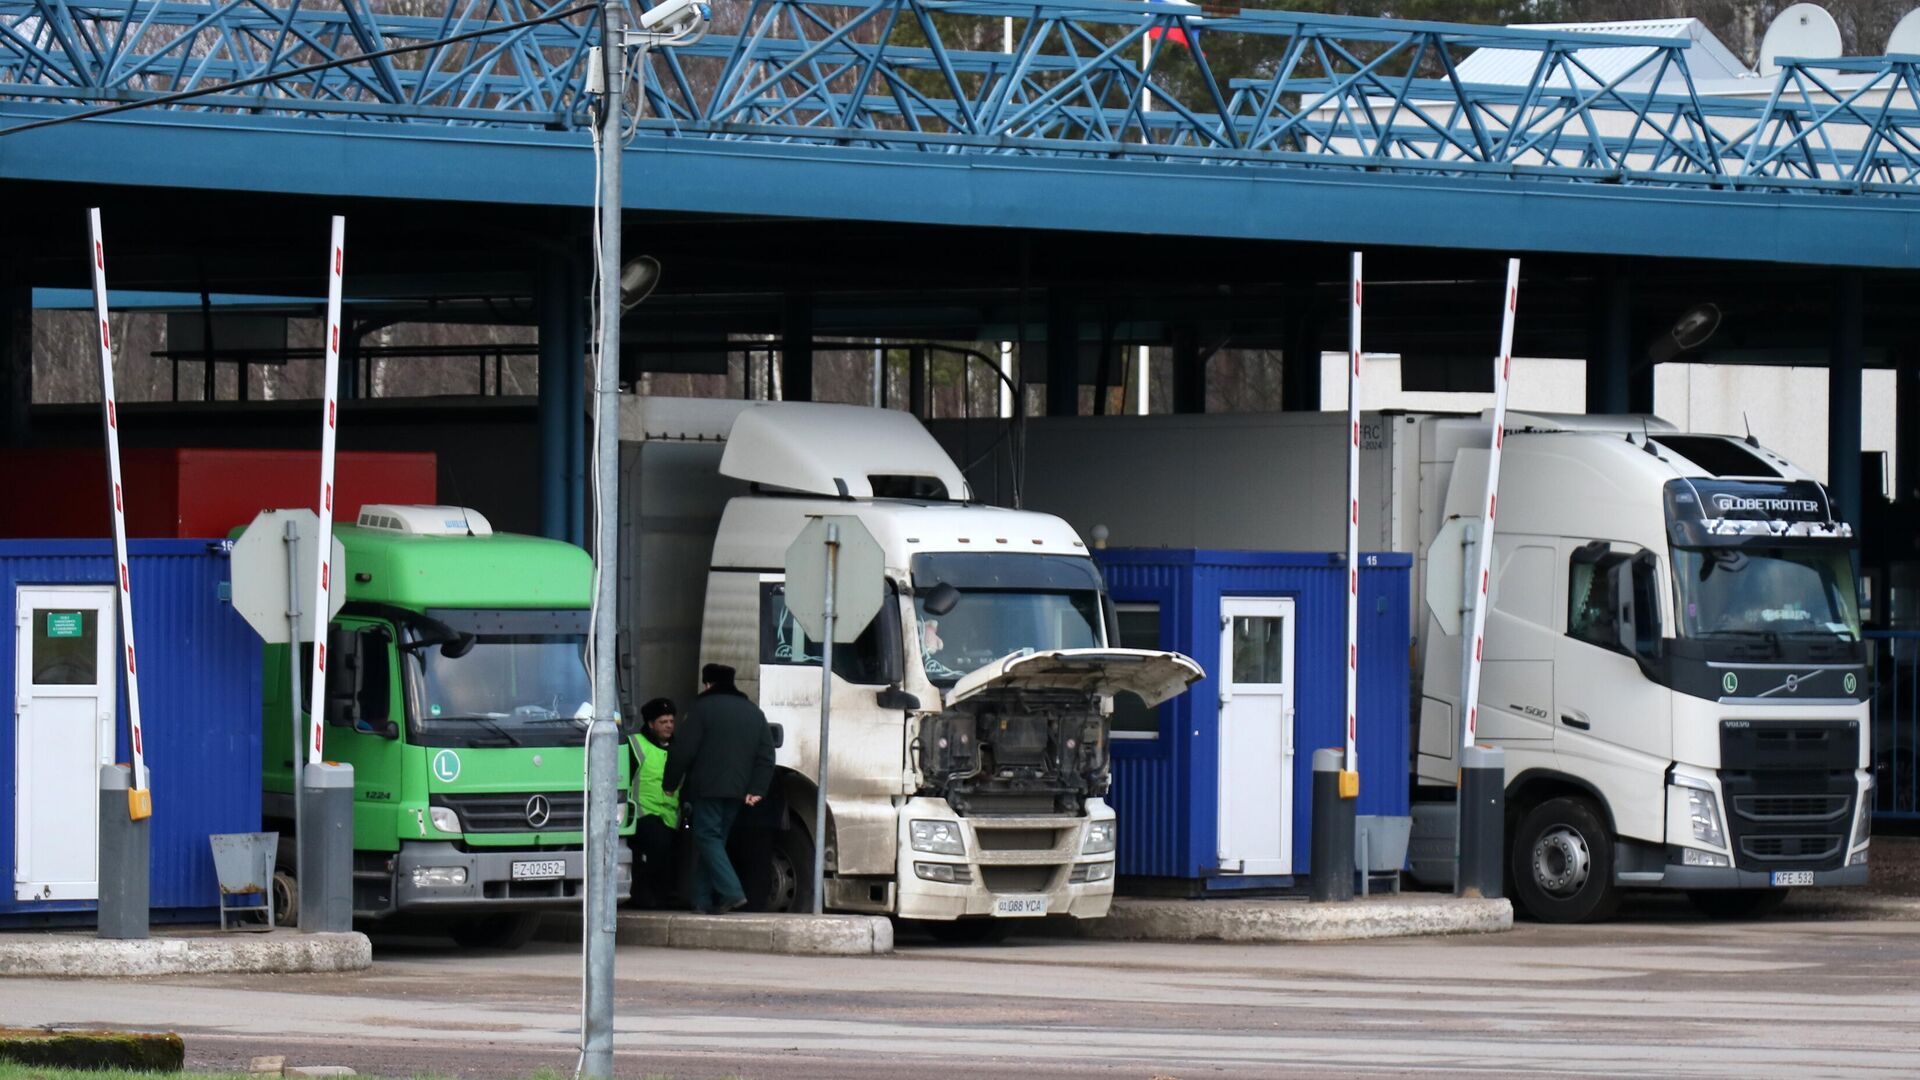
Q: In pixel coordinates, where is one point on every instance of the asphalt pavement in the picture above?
(1659, 993)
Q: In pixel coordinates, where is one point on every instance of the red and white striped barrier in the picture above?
(139, 796)
(323, 545)
(1353, 518)
(1502, 379)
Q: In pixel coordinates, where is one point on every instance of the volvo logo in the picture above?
(538, 811)
(1793, 684)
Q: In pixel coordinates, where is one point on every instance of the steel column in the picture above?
(1843, 395)
(796, 350)
(16, 364)
(1189, 370)
(560, 369)
(1610, 342)
(1300, 362)
(1906, 427)
(1063, 354)
(576, 407)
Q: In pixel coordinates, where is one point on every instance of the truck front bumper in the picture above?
(1727, 877)
(489, 884)
(1013, 860)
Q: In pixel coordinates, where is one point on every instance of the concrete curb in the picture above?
(1284, 920)
(812, 935)
(1850, 905)
(279, 952)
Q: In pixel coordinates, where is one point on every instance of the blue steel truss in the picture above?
(1144, 81)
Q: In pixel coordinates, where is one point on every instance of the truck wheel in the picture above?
(285, 897)
(1737, 903)
(1562, 862)
(790, 881)
(967, 931)
(509, 931)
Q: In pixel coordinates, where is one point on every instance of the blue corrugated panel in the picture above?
(1166, 790)
(200, 705)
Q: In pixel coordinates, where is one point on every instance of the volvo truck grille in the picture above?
(521, 812)
(1790, 791)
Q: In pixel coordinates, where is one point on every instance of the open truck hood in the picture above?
(1154, 676)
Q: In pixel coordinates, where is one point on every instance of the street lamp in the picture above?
(671, 23)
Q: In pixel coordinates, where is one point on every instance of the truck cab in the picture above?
(968, 755)
(1673, 666)
(459, 694)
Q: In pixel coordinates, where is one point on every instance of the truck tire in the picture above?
(1737, 903)
(1562, 863)
(790, 876)
(285, 898)
(507, 931)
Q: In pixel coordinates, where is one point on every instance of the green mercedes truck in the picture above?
(459, 693)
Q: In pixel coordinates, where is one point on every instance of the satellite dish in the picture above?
(1905, 39)
(1802, 32)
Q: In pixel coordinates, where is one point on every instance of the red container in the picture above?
(53, 493)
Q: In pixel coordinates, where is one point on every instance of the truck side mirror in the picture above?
(344, 676)
(940, 599)
(1636, 613)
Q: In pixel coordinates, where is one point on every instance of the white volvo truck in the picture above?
(1673, 662)
(968, 741)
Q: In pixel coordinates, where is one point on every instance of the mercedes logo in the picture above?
(538, 811)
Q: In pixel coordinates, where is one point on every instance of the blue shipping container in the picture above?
(1167, 786)
(199, 665)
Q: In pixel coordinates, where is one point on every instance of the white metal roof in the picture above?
(833, 449)
(1709, 61)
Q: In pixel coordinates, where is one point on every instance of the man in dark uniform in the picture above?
(722, 761)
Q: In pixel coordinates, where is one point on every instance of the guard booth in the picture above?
(64, 680)
(1214, 788)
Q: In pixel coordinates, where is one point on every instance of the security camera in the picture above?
(675, 17)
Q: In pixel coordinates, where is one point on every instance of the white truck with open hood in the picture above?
(969, 739)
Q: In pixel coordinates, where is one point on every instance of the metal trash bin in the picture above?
(1380, 847)
(244, 864)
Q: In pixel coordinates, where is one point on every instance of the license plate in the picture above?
(1019, 907)
(537, 871)
(1793, 877)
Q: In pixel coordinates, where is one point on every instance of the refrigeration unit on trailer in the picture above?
(969, 742)
(1673, 659)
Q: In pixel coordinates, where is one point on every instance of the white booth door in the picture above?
(64, 681)
(1256, 736)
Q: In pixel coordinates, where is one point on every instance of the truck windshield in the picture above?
(1008, 603)
(1767, 593)
(505, 690)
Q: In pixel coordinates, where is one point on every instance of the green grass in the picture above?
(10, 1071)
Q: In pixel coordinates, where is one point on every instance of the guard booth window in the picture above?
(784, 642)
(1139, 629)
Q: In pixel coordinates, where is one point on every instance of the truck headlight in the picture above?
(1703, 809)
(439, 877)
(1099, 838)
(1696, 857)
(938, 837)
(1863, 819)
(444, 819)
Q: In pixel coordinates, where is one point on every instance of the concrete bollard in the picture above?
(1483, 824)
(1332, 865)
(124, 859)
(326, 848)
